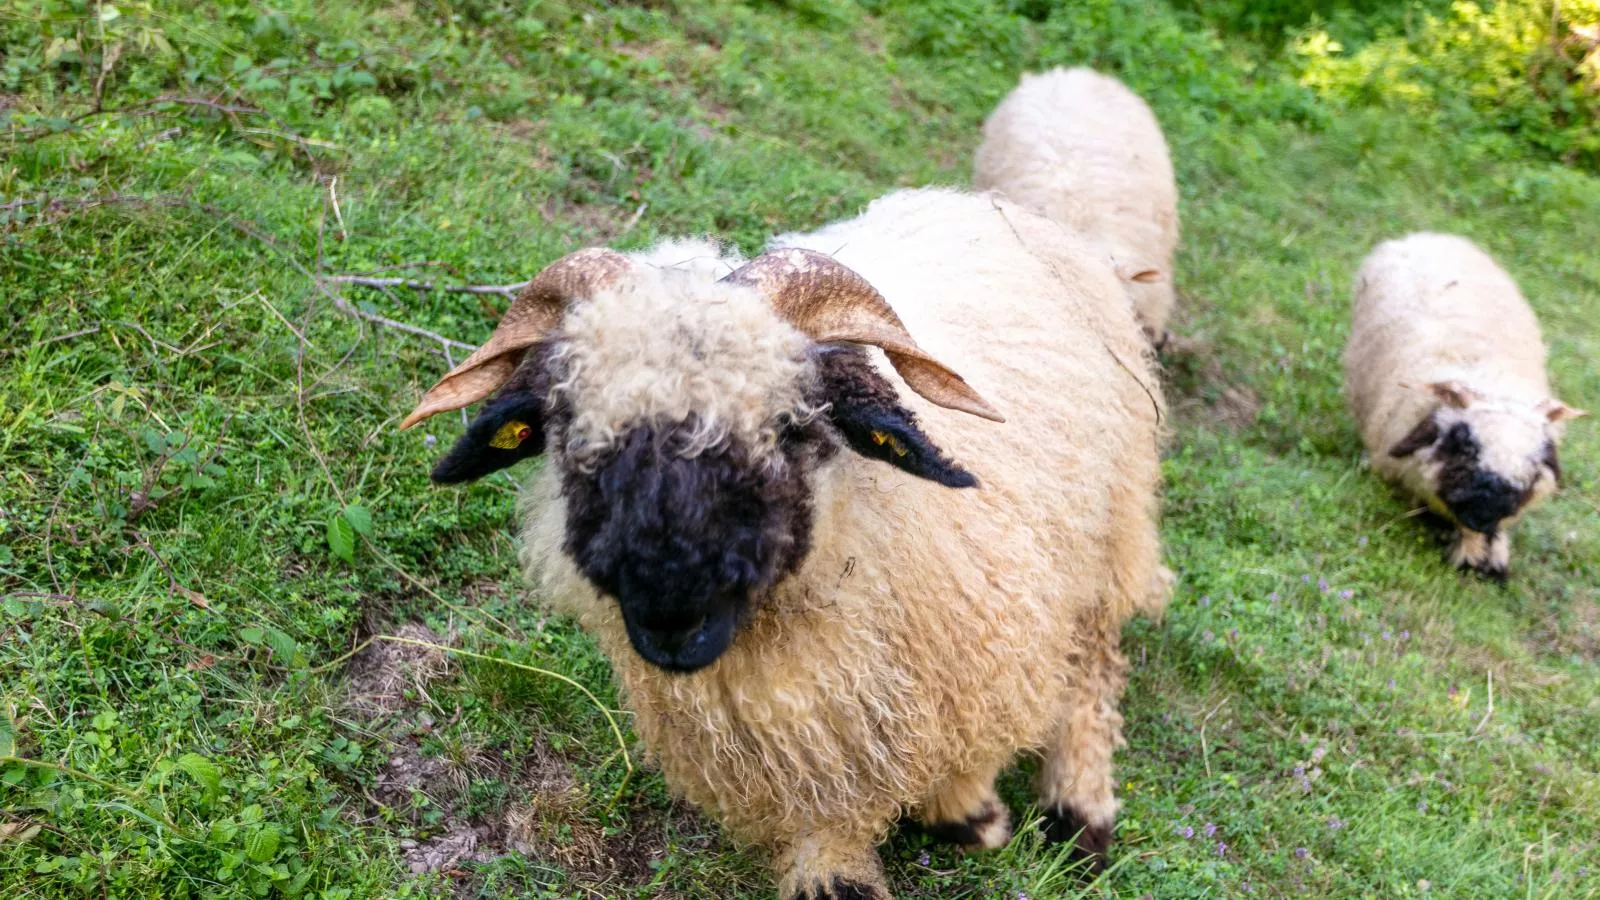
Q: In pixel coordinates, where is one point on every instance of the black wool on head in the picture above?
(869, 416)
(1426, 432)
(1478, 498)
(519, 402)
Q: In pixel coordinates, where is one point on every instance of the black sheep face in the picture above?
(687, 535)
(1483, 465)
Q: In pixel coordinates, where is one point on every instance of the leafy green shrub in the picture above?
(1519, 67)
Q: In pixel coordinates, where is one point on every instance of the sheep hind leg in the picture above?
(824, 866)
(1076, 789)
(966, 811)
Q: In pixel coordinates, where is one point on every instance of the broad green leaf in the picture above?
(250, 634)
(203, 771)
(262, 844)
(285, 648)
(359, 519)
(342, 538)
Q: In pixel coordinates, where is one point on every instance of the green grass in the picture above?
(195, 438)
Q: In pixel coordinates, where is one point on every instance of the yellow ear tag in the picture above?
(882, 437)
(511, 435)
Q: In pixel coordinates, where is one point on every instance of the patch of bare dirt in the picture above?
(548, 816)
(1197, 386)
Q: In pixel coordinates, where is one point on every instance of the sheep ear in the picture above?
(865, 409)
(508, 430)
(1139, 271)
(1454, 394)
(1424, 435)
(1555, 411)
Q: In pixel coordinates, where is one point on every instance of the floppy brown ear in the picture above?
(1424, 435)
(1454, 394)
(1138, 270)
(1556, 411)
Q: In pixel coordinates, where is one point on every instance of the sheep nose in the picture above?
(672, 639)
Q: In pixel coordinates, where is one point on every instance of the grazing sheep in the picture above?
(750, 505)
(1445, 375)
(1084, 150)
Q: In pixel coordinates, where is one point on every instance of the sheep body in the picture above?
(930, 635)
(1085, 150)
(1440, 335)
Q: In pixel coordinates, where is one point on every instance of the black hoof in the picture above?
(840, 889)
(1089, 842)
(970, 832)
(1490, 572)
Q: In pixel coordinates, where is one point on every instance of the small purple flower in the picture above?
(1301, 853)
(1386, 635)
(1222, 849)
(1405, 635)
(1346, 595)
(1391, 684)
(1305, 579)
(1022, 895)
(1206, 600)
(1361, 541)
(430, 441)
(1234, 634)
(1273, 596)
(1186, 832)
(1322, 585)
(1317, 754)
(1208, 637)
(1583, 871)
(1305, 785)
(1299, 771)
(1335, 823)
(1422, 807)
(924, 860)
(1211, 830)
(1453, 691)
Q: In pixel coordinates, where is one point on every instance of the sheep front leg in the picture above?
(1488, 555)
(831, 866)
(965, 810)
(1075, 784)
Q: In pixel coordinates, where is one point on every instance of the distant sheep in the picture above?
(1084, 150)
(749, 504)
(1445, 375)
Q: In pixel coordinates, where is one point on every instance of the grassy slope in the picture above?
(1339, 739)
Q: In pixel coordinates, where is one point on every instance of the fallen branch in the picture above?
(344, 306)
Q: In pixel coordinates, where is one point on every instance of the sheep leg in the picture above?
(1488, 555)
(1075, 785)
(965, 810)
(831, 866)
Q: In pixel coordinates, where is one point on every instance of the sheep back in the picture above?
(1086, 151)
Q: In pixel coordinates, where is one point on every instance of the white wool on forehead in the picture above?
(665, 345)
(703, 257)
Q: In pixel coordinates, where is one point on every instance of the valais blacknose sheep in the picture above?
(1445, 375)
(1084, 150)
(833, 586)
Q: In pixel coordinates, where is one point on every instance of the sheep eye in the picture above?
(883, 437)
(511, 435)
